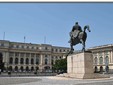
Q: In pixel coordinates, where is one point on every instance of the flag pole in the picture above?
(24, 39)
(44, 39)
(4, 36)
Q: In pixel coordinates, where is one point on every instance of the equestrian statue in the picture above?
(77, 35)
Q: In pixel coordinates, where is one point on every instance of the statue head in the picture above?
(76, 23)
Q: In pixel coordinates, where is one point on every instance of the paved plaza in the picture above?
(53, 80)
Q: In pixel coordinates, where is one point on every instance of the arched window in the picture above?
(21, 61)
(52, 61)
(27, 61)
(10, 68)
(101, 69)
(107, 69)
(46, 67)
(37, 60)
(32, 68)
(11, 60)
(21, 68)
(37, 68)
(96, 69)
(16, 68)
(46, 61)
(106, 60)
(95, 60)
(16, 60)
(101, 60)
(27, 68)
(32, 61)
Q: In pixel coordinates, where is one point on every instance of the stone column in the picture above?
(35, 59)
(24, 61)
(111, 56)
(19, 59)
(29, 60)
(14, 59)
(41, 62)
(6, 59)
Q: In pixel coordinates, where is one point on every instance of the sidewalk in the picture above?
(52, 80)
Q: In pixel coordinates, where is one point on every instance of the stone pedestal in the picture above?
(80, 65)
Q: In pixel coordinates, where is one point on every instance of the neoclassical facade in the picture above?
(19, 56)
(103, 58)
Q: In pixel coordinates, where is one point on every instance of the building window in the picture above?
(16, 60)
(32, 61)
(17, 46)
(11, 60)
(106, 52)
(37, 48)
(11, 54)
(106, 60)
(27, 68)
(67, 50)
(60, 57)
(21, 68)
(95, 60)
(32, 47)
(27, 61)
(10, 68)
(27, 47)
(37, 60)
(32, 68)
(100, 54)
(21, 61)
(101, 60)
(46, 68)
(27, 54)
(22, 54)
(32, 55)
(46, 61)
(16, 68)
(96, 69)
(2, 44)
(56, 50)
(37, 68)
(46, 48)
(56, 57)
(16, 54)
(22, 46)
(52, 50)
(107, 68)
(52, 61)
(101, 69)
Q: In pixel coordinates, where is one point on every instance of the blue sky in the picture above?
(50, 23)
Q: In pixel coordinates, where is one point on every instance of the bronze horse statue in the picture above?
(81, 38)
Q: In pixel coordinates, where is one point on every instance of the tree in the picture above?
(60, 65)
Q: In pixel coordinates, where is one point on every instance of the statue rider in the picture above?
(75, 31)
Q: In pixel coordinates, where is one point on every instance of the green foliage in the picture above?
(60, 65)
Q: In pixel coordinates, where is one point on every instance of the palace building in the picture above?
(18, 56)
(103, 58)
(22, 57)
